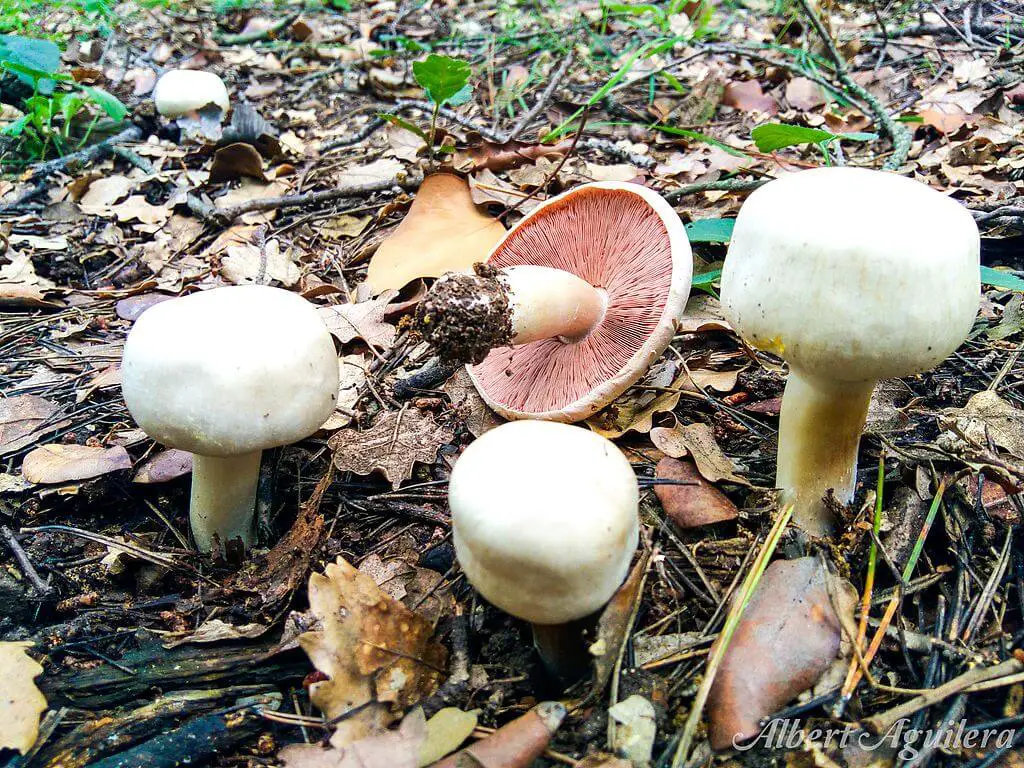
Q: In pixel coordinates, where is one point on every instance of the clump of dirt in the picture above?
(463, 317)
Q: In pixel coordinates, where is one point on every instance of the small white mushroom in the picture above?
(544, 520)
(181, 92)
(225, 374)
(852, 276)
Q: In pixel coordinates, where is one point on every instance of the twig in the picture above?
(543, 99)
(882, 722)
(724, 185)
(314, 199)
(241, 38)
(610, 148)
(40, 586)
(41, 172)
(900, 136)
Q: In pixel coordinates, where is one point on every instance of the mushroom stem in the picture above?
(223, 499)
(564, 648)
(819, 434)
(548, 303)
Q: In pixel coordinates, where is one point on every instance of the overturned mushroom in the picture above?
(572, 306)
(225, 374)
(852, 276)
(545, 523)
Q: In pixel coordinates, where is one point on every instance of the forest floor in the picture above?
(153, 654)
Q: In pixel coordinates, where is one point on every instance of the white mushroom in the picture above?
(852, 276)
(225, 374)
(181, 92)
(544, 519)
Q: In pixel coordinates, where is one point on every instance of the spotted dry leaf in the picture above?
(21, 703)
(395, 442)
(364, 320)
(374, 651)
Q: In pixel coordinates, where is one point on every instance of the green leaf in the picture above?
(772, 136)
(706, 278)
(40, 59)
(442, 77)
(999, 279)
(710, 230)
(698, 136)
(107, 102)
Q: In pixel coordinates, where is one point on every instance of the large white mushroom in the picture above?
(544, 519)
(852, 276)
(225, 374)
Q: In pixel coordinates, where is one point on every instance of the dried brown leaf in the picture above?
(747, 96)
(20, 417)
(164, 467)
(374, 651)
(60, 463)
(691, 506)
(235, 161)
(698, 441)
(444, 231)
(788, 637)
(364, 320)
(21, 703)
(395, 442)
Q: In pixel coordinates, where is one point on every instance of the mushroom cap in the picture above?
(544, 519)
(623, 238)
(852, 274)
(230, 370)
(180, 91)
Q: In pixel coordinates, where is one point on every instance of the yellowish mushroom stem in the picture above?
(819, 435)
(223, 499)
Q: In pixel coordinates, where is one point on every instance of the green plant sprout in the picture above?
(446, 81)
(50, 112)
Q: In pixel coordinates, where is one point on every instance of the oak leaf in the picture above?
(364, 319)
(395, 442)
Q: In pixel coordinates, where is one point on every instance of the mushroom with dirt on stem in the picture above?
(545, 523)
(224, 374)
(852, 276)
(572, 306)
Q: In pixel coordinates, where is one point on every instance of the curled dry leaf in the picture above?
(235, 161)
(164, 467)
(635, 410)
(691, 506)
(21, 703)
(373, 649)
(364, 320)
(444, 231)
(788, 637)
(351, 379)
(215, 631)
(515, 745)
(697, 440)
(59, 463)
(512, 154)
(395, 442)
